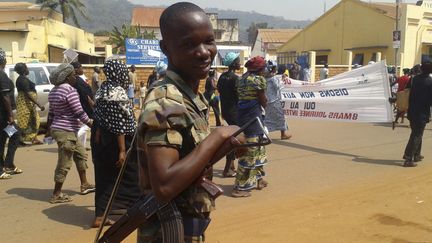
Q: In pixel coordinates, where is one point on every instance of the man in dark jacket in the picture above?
(419, 112)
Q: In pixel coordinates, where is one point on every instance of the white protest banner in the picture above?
(360, 95)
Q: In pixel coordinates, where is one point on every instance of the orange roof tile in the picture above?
(146, 16)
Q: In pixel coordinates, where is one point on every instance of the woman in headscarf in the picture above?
(227, 87)
(112, 135)
(27, 116)
(274, 116)
(65, 115)
(252, 100)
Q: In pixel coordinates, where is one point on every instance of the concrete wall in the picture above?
(416, 37)
(143, 72)
(33, 45)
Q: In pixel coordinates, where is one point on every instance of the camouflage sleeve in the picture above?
(163, 117)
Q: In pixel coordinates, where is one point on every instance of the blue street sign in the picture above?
(143, 52)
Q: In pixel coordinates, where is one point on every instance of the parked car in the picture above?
(38, 74)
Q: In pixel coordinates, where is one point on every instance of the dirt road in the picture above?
(332, 182)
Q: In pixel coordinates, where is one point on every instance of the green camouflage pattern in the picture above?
(174, 116)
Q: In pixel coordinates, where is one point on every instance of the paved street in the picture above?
(332, 182)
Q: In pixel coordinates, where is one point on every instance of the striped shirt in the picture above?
(65, 109)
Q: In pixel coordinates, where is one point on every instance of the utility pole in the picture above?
(325, 6)
(397, 29)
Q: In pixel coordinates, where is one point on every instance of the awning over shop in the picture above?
(15, 30)
(365, 48)
(55, 54)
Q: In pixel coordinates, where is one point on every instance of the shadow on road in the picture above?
(70, 214)
(355, 158)
(49, 150)
(36, 194)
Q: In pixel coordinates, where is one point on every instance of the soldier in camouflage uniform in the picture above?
(174, 135)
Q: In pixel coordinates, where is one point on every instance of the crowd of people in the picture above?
(173, 138)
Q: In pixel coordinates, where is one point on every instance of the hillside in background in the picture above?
(104, 14)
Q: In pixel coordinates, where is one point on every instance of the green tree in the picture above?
(117, 37)
(69, 8)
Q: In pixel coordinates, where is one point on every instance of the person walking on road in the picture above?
(7, 104)
(27, 115)
(227, 87)
(419, 112)
(112, 134)
(275, 118)
(65, 114)
(86, 99)
(252, 99)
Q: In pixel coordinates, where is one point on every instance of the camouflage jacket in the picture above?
(173, 115)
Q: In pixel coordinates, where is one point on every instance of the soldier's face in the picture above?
(190, 46)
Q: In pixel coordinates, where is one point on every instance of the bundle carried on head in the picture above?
(58, 76)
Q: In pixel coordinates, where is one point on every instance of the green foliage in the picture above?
(117, 37)
(69, 9)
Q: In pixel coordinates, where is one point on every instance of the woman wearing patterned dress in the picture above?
(274, 115)
(111, 136)
(252, 99)
(27, 115)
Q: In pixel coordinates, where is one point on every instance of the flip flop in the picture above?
(230, 173)
(13, 171)
(5, 175)
(237, 193)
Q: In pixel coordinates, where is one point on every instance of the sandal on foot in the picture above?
(230, 173)
(237, 193)
(5, 175)
(60, 198)
(87, 188)
(13, 171)
(286, 137)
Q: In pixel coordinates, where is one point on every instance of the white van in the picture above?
(38, 74)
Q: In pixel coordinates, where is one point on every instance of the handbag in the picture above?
(402, 99)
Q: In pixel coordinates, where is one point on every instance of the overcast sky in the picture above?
(289, 9)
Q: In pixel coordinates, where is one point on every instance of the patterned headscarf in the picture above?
(255, 64)
(2, 55)
(58, 76)
(112, 109)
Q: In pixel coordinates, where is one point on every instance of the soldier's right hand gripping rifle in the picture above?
(148, 207)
